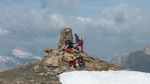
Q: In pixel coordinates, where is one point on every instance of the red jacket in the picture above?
(80, 43)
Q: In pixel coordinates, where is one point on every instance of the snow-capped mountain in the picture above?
(8, 62)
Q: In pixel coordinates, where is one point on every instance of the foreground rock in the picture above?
(46, 70)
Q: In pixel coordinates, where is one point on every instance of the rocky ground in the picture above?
(46, 71)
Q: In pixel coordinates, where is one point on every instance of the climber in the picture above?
(69, 46)
(68, 50)
(80, 64)
(76, 38)
(80, 43)
(76, 47)
(72, 63)
(69, 43)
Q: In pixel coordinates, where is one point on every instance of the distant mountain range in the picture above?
(8, 62)
(138, 60)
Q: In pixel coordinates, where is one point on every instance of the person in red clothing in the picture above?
(79, 43)
(69, 45)
(68, 50)
(72, 63)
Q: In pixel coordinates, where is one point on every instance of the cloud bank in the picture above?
(116, 29)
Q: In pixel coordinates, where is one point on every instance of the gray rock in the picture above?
(36, 68)
(65, 34)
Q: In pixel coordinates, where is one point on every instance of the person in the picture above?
(68, 50)
(80, 43)
(69, 43)
(76, 47)
(80, 64)
(72, 63)
(69, 46)
(76, 38)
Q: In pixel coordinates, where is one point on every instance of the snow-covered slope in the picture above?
(105, 77)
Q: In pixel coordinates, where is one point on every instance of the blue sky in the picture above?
(108, 27)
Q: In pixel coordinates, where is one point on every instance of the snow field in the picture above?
(105, 77)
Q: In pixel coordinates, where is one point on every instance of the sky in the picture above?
(108, 27)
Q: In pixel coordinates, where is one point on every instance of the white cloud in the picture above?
(57, 20)
(112, 31)
(3, 32)
(20, 53)
(83, 19)
(38, 58)
(120, 18)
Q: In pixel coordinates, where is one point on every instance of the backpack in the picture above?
(70, 43)
(69, 57)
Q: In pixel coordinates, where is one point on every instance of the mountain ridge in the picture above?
(137, 60)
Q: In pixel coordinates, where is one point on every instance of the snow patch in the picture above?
(105, 77)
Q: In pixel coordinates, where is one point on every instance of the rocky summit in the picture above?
(46, 71)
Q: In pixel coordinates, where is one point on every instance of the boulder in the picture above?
(53, 61)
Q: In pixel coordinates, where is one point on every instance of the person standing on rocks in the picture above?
(69, 45)
(79, 42)
(80, 64)
(76, 38)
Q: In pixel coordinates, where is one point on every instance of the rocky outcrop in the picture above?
(66, 34)
(147, 50)
(53, 58)
(46, 71)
